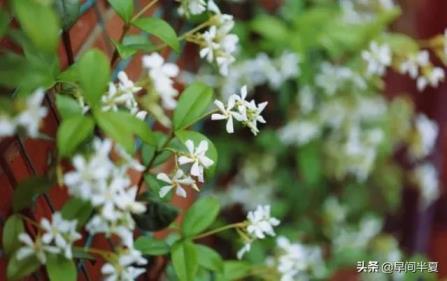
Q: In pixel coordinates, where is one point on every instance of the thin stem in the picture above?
(220, 229)
(142, 11)
(115, 54)
(104, 254)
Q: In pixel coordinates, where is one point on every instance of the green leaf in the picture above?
(78, 209)
(235, 270)
(11, 230)
(309, 163)
(115, 127)
(67, 107)
(159, 28)
(192, 104)
(26, 192)
(4, 22)
(39, 22)
(124, 8)
(122, 126)
(196, 137)
(209, 258)
(72, 132)
(200, 216)
(151, 246)
(18, 269)
(59, 268)
(158, 216)
(134, 43)
(184, 259)
(69, 11)
(94, 75)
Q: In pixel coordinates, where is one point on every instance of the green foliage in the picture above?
(132, 44)
(184, 259)
(200, 216)
(193, 103)
(11, 230)
(44, 33)
(72, 132)
(78, 209)
(209, 258)
(94, 75)
(159, 28)
(18, 269)
(67, 107)
(60, 268)
(123, 8)
(151, 246)
(27, 191)
(69, 11)
(158, 215)
(234, 270)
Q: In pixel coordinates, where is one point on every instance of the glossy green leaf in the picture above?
(59, 268)
(72, 132)
(11, 230)
(209, 258)
(116, 128)
(78, 209)
(159, 28)
(158, 216)
(234, 270)
(151, 246)
(184, 259)
(27, 191)
(200, 216)
(67, 107)
(18, 269)
(94, 75)
(124, 8)
(69, 11)
(192, 104)
(39, 22)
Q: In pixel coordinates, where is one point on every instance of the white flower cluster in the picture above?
(161, 74)
(196, 7)
(218, 44)
(424, 137)
(361, 11)
(125, 268)
(57, 237)
(196, 158)
(356, 237)
(418, 66)
(29, 118)
(378, 58)
(246, 112)
(334, 78)
(122, 94)
(425, 177)
(106, 185)
(296, 261)
(259, 224)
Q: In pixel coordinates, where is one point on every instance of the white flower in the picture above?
(196, 156)
(37, 248)
(7, 126)
(413, 62)
(260, 223)
(218, 44)
(122, 94)
(177, 182)
(61, 232)
(31, 117)
(378, 58)
(432, 76)
(245, 249)
(161, 74)
(227, 113)
(299, 132)
(426, 178)
(333, 78)
(124, 269)
(423, 141)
